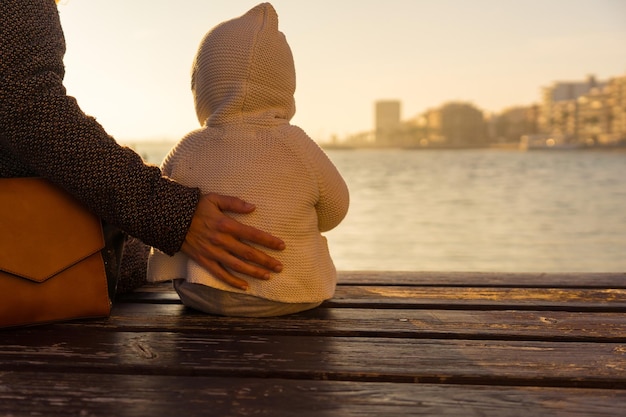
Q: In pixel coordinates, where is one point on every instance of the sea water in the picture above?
(478, 210)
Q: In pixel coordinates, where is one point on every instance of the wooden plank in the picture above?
(486, 279)
(474, 346)
(476, 298)
(575, 364)
(565, 299)
(614, 280)
(448, 324)
(68, 394)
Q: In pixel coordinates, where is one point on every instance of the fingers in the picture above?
(219, 243)
(228, 203)
(236, 236)
(251, 261)
(209, 258)
(220, 273)
(243, 232)
(258, 237)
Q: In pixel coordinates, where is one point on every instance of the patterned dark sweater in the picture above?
(44, 133)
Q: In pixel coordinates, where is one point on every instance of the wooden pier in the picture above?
(388, 344)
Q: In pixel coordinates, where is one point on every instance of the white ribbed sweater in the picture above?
(248, 149)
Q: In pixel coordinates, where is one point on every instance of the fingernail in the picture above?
(278, 268)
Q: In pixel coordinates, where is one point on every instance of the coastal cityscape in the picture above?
(477, 209)
(586, 113)
(589, 113)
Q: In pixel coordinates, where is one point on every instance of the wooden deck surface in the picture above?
(388, 344)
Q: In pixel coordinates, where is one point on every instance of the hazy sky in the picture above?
(128, 61)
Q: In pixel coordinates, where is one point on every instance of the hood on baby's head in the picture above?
(244, 71)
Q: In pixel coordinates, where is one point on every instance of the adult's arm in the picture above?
(44, 132)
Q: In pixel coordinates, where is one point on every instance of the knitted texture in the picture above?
(133, 266)
(244, 71)
(44, 133)
(244, 80)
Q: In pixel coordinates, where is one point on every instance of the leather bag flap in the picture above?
(43, 229)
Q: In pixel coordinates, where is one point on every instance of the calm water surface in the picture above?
(481, 210)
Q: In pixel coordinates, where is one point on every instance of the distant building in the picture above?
(454, 124)
(568, 90)
(559, 105)
(616, 96)
(512, 123)
(387, 121)
(593, 117)
(462, 124)
(588, 112)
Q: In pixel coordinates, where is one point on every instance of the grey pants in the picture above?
(224, 303)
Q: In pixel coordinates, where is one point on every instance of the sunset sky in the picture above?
(128, 61)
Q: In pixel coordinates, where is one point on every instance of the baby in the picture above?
(243, 82)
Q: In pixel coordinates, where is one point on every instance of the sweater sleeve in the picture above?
(334, 199)
(43, 132)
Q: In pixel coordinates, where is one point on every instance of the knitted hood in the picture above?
(244, 72)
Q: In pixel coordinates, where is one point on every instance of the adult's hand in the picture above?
(216, 242)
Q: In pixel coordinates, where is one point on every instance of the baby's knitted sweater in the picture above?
(243, 82)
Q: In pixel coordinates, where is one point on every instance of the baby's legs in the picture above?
(224, 303)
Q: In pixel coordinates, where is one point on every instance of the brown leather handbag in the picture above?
(51, 256)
